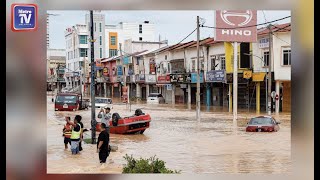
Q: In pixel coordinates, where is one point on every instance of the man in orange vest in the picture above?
(67, 129)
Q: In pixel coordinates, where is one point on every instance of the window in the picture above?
(100, 28)
(83, 52)
(244, 59)
(100, 38)
(100, 52)
(286, 56)
(213, 63)
(140, 28)
(113, 52)
(95, 27)
(266, 58)
(113, 40)
(223, 62)
(202, 64)
(193, 68)
(165, 57)
(169, 69)
(83, 39)
(81, 64)
(140, 38)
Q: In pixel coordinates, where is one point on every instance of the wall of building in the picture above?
(99, 20)
(281, 72)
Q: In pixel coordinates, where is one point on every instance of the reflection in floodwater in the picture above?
(209, 146)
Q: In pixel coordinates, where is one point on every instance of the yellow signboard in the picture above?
(257, 77)
(247, 74)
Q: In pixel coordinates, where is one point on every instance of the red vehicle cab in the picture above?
(68, 102)
(263, 124)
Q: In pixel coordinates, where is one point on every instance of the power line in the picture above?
(248, 26)
(280, 38)
(187, 36)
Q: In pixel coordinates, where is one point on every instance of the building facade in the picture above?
(56, 61)
(116, 34)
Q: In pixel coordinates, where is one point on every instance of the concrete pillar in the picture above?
(278, 93)
(147, 90)
(230, 97)
(173, 94)
(138, 90)
(258, 97)
(208, 98)
(189, 93)
(105, 89)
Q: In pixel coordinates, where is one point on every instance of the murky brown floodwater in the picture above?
(176, 137)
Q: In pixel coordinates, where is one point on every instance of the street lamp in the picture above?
(265, 79)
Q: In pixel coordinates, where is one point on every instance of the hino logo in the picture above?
(246, 15)
(236, 32)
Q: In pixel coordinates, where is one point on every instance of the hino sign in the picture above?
(236, 26)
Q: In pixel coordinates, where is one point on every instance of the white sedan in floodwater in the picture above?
(155, 98)
(102, 102)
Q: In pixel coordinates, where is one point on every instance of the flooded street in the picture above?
(176, 137)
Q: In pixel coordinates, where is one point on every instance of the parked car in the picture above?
(155, 98)
(263, 124)
(102, 102)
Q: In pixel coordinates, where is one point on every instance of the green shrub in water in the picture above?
(150, 165)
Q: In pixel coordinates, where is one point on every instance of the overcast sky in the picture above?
(171, 25)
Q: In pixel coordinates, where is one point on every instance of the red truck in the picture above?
(70, 102)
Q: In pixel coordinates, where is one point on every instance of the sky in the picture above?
(170, 25)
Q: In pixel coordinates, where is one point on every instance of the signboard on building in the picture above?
(241, 80)
(163, 79)
(152, 65)
(169, 87)
(257, 77)
(105, 71)
(216, 76)
(119, 70)
(140, 78)
(264, 43)
(236, 26)
(247, 74)
(194, 77)
(126, 60)
(151, 78)
(177, 78)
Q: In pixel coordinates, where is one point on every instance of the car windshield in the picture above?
(104, 101)
(263, 120)
(153, 95)
(66, 99)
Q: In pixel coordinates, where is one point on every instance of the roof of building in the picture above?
(275, 28)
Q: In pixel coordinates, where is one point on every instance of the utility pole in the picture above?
(269, 74)
(235, 84)
(93, 104)
(121, 63)
(198, 72)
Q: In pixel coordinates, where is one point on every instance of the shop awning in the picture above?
(258, 77)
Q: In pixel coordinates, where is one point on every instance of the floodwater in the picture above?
(208, 146)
